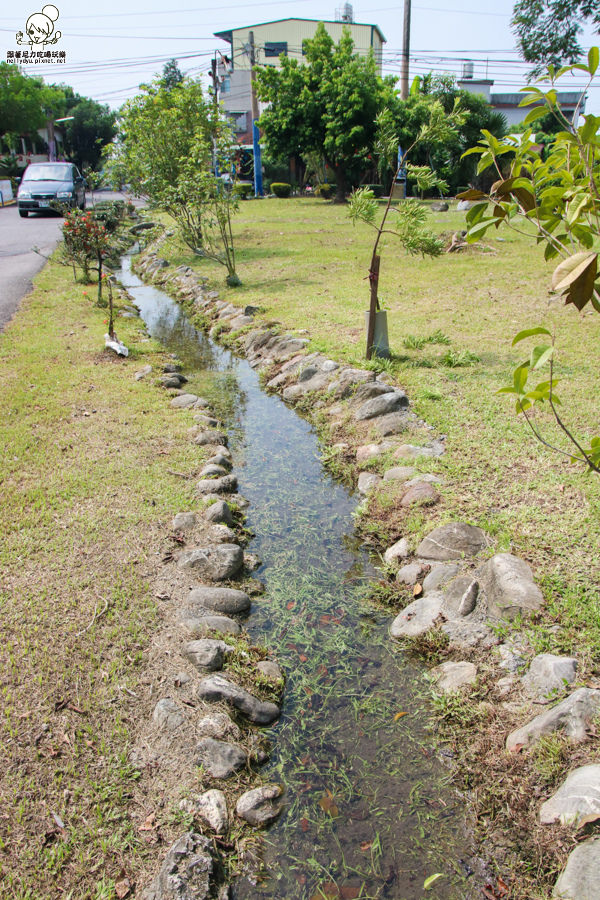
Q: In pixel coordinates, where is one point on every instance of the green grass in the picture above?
(304, 264)
(86, 497)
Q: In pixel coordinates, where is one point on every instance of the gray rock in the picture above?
(420, 494)
(399, 550)
(307, 373)
(221, 534)
(143, 372)
(205, 421)
(184, 401)
(220, 599)
(212, 470)
(509, 587)
(372, 451)
(399, 473)
(579, 881)
(240, 322)
(173, 380)
(452, 676)
(348, 378)
(418, 617)
(216, 688)
(439, 576)
(219, 512)
(393, 423)
(369, 390)
(186, 872)
(317, 383)
(380, 406)
(573, 716)
(167, 715)
(367, 481)
(453, 541)
(217, 563)
(210, 436)
(577, 801)
(207, 654)
(439, 206)
(468, 601)
(218, 725)
(329, 366)
(427, 477)
(219, 459)
(412, 451)
(210, 807)
(269, 669)
(548, 675)
(184, 521)
(410, 573)
(227, 484)
(199, 623)
(221, 760)
(261, 805)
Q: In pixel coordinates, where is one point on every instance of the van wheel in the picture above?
(23, 213)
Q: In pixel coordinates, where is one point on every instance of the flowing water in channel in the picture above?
(369, 813)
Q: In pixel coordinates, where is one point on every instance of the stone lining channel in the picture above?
(368, 810)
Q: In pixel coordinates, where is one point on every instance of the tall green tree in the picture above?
(445, 156)
(92, 128)
(20, 102)
(327, 106)
(171, 75)
(158, 130)
(548, 31)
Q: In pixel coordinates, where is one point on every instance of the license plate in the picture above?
(43, 203)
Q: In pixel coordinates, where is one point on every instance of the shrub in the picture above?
(324, 190)
(377, 189)
(281, 189)
(243, 190)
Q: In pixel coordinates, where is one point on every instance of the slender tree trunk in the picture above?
(341, 184)
(374, 302)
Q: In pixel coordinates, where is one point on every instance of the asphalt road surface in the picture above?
(18, 261)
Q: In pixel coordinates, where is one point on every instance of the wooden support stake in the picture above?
(374, 304)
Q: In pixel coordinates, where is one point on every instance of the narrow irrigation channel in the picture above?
(369, 813)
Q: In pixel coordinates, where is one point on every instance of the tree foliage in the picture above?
(556, 196)
(327, 106)
(159, 129)
(171, 75)
(171, 141)
(548, 30)
(92, 128)
(445, 157)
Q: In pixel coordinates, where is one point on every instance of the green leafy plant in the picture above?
(85, 242)
(410, 225)
(281, 189)
(558, 195)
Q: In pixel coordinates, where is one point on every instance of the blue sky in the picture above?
(113, 47)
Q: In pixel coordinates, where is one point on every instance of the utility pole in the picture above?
(213, 75)
(405, 51)
(258, 183)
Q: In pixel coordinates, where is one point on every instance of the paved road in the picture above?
(18, 262)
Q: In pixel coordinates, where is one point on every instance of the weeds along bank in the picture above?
(510, 622)
(110, 756)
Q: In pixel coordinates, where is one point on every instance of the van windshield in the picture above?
(49, 172)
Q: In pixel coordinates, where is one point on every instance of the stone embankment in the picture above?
(206, 725)
(463, 590)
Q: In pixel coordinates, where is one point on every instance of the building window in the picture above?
(275, 48)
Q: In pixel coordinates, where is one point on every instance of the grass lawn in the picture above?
(304, 264)
(86, 498)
